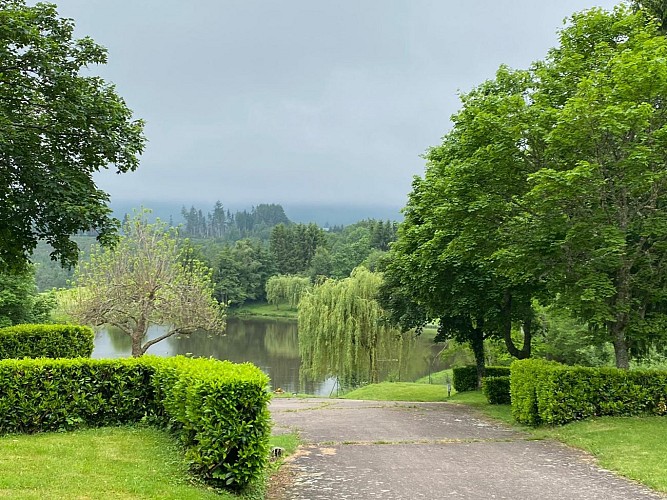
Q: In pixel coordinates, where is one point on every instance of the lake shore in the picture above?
(263, 310)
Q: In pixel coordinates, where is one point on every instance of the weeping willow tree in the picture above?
(342, 332)
(286, 289)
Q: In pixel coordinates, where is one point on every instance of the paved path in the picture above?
(387, 450)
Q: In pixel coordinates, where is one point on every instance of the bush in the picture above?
(550, 393)
(46, 341)
(497, 390)
(216, 408)
(465, 377)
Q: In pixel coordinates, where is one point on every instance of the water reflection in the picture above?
(272, 345)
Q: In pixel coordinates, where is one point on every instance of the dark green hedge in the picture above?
(497, 390)
(46, 341)
(465, 377)
(550, 393)
(218, 409)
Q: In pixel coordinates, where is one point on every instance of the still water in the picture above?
(272, 345)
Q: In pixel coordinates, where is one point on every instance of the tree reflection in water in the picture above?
(272, 345)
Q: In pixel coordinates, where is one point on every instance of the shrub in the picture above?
(465, 377)
(497, 390)
(216, 408)
(546, 392)
(46, 341)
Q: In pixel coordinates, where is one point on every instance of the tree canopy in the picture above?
(57, 127)
(147, 279)
(19, 300)
(551, 186)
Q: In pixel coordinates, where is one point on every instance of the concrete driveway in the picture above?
(390, 450)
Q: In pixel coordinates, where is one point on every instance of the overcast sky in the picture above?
(301, 102)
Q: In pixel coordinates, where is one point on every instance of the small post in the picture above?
(449, 385)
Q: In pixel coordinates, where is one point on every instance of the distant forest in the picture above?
(245, 248)
(223, 224)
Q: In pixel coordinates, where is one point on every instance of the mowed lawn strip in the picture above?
(635, 447)
(105, 463)
(399, 391)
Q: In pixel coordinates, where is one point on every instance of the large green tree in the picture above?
(551, 185)
(146, 280)
(443, 266)
(57, 127)
(598, 209)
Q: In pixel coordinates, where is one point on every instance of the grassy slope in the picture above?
(399, 391)
(106, 463)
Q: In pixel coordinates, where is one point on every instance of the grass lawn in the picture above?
(264, 310)
(106, 463)
(635, 447)
(399, 391)
(438, 378)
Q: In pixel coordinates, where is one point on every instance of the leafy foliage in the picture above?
(46, 341)
(550, 393)
(286, 289)
(241, 272)
(497, 390)
(551, 186)
(293, 246)
(19, 300)
(57, 128)
(465, 377)
(218, 409)
(342, 332)
(146, 280)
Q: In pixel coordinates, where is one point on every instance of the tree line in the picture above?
(223, 224)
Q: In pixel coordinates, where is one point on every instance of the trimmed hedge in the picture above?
(46, 341)
(217, 409)
(551, 393)
(497, 390)
(465, 377)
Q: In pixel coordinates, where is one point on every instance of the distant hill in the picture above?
(322, 215)
(336, 215)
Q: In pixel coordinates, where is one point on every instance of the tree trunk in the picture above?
(617, 328)
(477, 345)
(137, 336)
(524, 352)
(137, 349)
(620, 343)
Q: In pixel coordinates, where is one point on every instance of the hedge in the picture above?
(551, 393)
(465, 377)
(497, 390)
(46, 341)
(217, 409)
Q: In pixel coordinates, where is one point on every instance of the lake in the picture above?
(271, 344)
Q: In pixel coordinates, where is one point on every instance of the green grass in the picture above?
(399, 391)
(108, 463)
(635, 447)
(438, 378)
(264, 310)
(287, 441)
